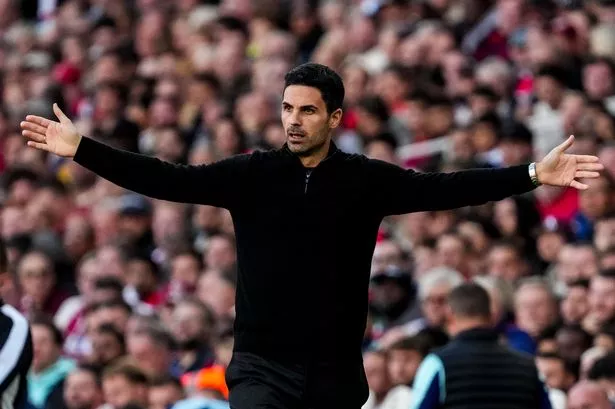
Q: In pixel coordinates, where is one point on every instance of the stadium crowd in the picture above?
(131, 299)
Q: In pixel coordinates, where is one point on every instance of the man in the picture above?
(15, 347)
(306, 218)
(82, 389)
(474, 369)
(588, 395)
(124, 383)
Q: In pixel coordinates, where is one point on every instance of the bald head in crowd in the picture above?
(588, 395)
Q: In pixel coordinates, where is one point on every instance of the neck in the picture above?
(314, 158)
(466, 324)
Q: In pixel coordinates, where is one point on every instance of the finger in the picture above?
(590, 166)
(38, 145)
(586, 158)
(31, 126)
(61, 116)
(38, 120)
(585, 174)
(578, 185)
(567, 144)
(37, 137)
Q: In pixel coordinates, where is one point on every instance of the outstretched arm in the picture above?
(399, 191)
(216, 184)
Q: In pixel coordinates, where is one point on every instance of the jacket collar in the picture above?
(478, 334)
(332, 150)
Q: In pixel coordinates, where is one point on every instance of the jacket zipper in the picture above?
(308, 172)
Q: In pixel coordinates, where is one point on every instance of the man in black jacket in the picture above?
(306, 218)
(475, 370)
(15, 347)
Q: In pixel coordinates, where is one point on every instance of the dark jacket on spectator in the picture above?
(305, 239)
(476, 371)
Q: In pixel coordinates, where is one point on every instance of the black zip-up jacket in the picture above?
(305, 237)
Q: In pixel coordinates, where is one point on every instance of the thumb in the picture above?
(61, 115)
(566, 144)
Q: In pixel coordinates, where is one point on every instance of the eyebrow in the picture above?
(314, 107)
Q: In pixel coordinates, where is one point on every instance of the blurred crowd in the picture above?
(131, 299)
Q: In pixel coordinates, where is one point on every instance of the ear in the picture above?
(335, 118)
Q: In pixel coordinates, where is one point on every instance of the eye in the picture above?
(287, 108)
(309, 111)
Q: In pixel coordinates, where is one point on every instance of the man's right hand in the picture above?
(61, 138)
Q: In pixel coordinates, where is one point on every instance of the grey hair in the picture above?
(438, 276)
(536, 282)
(494, 66)
(504, 289)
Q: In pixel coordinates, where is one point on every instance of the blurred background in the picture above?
(131, 300)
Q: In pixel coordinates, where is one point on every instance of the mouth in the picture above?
(294, 136)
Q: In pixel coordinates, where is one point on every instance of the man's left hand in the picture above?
(559, 168)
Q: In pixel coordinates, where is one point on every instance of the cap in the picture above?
(134, 205)
(66, 73)
(391, 273)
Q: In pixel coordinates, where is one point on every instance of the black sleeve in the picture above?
(217, 184)
(399, 191)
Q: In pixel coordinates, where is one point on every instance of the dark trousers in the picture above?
(256, 382)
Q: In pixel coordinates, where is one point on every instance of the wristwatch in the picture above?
(533, 175)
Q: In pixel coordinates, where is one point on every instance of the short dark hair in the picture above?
(321, 77)
(46, 322)
(603, 368)
(92, 370)
(470, 300)
(128, 370)
(415, 343)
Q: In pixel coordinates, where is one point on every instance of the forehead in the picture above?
(301, 95)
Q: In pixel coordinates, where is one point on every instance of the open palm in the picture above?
(61, 138)
(562, 169)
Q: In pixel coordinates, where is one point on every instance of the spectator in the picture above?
(588, 395)
(535, 306)
(82, 389)
(124, 383)
(164, 392)
(49, 368)
(383, 392)
(193, 325)
(404, 358)
(469, 322)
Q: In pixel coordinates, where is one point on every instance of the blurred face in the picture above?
(387, 253)
(553, 372)
(534, 309)
(36, 278)
(604, 235)
(451, 252)
(188, 324)
(216, 293)
(549, 245)
(77, 236)
(151, 358)
(462, 145)
(403, 365)
(504, 262)
(46, 352)
(220, 254)
(162, 397)
(139, 274)
(576, 263)
(598, 81)
(185, 271)
(376, 373)
(588, 397)
(575, 305)
(607, 158)
(549, 91)
(109, 258)
(81, 391)
(118, 391)
(87, 275)
(434, 304)
(595, 201)
(105, 348)
(602, 298)
(306, 120)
